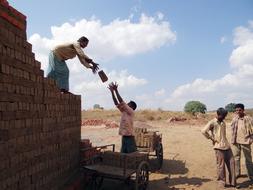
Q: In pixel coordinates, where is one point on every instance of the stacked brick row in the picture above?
(88, 152)
(146, 139)
(39, 126)
(97, 122)
(124, 161)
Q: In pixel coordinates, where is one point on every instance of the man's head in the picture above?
(221, 114)
(132, 105)
(239, 109)
(83, 41)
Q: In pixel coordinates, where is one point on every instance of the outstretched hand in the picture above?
(95, 67)
(113, 86)
(110, 87)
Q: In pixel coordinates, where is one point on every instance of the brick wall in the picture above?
(39, 126)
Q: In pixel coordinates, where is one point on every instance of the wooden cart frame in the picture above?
(118, 166)
(150, 142)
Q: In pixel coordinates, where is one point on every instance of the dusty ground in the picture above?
(189, 160)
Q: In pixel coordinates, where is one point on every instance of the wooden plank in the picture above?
(106, 170)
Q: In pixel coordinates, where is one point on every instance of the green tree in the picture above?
(96, 106)
(194, 107)
(230, 107)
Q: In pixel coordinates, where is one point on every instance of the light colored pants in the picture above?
(225, 157)
(58, 70)
(246, 149)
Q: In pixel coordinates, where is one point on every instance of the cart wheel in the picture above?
(159, 154)
(96, 182)
(142, 176)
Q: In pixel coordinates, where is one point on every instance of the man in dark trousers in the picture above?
(128, 144)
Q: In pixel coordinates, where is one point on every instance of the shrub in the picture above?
(194, 107)
(230, 107)
(97, 106)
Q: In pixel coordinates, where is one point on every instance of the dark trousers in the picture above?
(128, 144)
(225, 157)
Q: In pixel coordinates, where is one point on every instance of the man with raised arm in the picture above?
(128, 143)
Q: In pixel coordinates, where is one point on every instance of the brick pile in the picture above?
(39, 126)
(88, 152)
(146, 139)
(98, 122)
(124, 161)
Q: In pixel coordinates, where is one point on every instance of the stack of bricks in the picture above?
(123, 160)
(88, 153)
(97, 122)
(146, 139)
(39, 126)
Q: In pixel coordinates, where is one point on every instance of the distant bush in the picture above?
(230, 107)
(194, 107)
(97, 106)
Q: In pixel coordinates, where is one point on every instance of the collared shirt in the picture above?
(241, 133)
(70, 50)
(126, 122)
(242, 130)
(217, 131)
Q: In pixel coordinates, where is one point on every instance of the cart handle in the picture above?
(100, 147)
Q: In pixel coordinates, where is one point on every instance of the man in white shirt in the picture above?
(58, 69)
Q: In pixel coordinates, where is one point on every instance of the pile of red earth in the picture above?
(176, 119)
(97, 122)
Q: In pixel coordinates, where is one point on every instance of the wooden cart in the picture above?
(117, 166)
(150, 142)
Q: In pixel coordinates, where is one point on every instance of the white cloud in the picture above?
(233, 87)
(152, 100)
(160, 16)
(119, 38)
(223, 39)
(160, 92)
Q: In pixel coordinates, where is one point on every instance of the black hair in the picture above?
(222, 111)
(239, 106)
(133, 105)
(83, 39)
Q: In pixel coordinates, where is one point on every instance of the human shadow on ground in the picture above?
(176, 174)
(170, 183)
(246, 184)
(184, 180)
(173, 167)
(169, 168)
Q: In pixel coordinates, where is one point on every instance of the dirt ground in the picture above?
(189, 160)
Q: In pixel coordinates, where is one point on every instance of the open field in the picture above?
(189, 160)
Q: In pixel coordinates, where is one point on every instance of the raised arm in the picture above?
(115, 87)
(110, 87)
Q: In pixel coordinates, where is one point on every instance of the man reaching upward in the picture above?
(128, 144)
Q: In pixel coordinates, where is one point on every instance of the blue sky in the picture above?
(162, 53)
